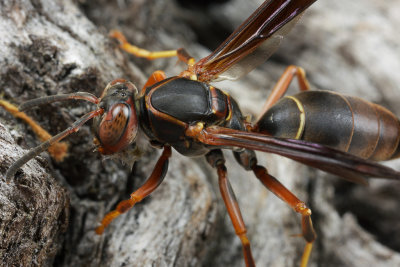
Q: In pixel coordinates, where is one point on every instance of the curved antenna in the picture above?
(43, 146)
(61, 97)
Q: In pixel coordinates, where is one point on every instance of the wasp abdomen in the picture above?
(346, 123)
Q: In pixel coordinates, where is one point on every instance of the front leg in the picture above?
(140, 52)
(146, 189)
(58, 151)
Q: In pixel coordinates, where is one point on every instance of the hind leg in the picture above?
(282, 85)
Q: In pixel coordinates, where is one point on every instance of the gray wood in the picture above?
(49, 212)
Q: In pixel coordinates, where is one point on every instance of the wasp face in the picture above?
(118, 126)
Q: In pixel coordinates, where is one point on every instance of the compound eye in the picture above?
(118, 128)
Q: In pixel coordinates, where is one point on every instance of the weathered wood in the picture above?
(49, 47)
(34, 212)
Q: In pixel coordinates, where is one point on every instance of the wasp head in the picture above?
(117, 127)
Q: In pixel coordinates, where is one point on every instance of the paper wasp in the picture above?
(187, 113)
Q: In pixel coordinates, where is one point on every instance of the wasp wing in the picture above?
(253, 42)
(315, 155)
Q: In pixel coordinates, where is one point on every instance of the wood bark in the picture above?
(49, 212)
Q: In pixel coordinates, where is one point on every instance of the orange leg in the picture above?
(216, 159)
(181, 53)
(190, 72)
(139, 52)
(58, 151)
(283, 83)
(146, 189)
(184, 56)
(299, 206)
(150, 55)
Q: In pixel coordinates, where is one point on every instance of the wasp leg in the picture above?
(139, 52)
(190, 72)
(146, 189)
(299, 206)
(154, 78)
(181, 53)
(184, 56)
(282, 85)
(216, 159)
(58, 151)
(247, 159)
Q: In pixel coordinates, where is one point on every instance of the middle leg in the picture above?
(216, 159)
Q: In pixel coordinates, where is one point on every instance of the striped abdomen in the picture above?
(346, 123)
